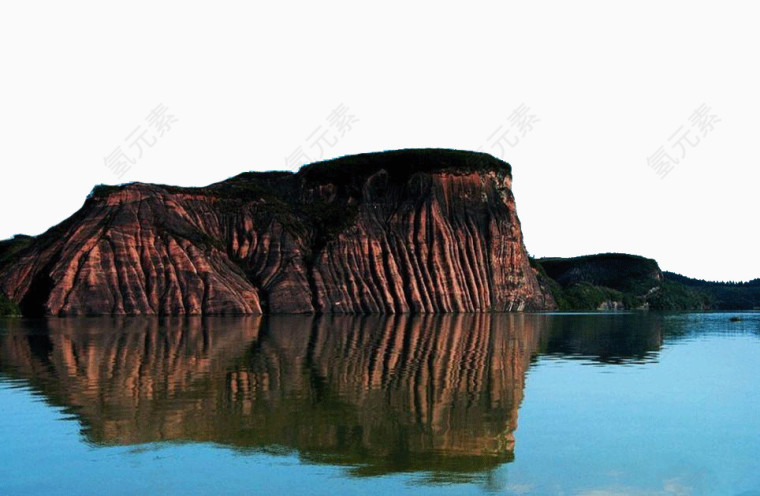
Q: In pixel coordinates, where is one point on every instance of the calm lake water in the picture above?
(589, 404)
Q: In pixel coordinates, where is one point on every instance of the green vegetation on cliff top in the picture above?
(400, 164)
(344, 172)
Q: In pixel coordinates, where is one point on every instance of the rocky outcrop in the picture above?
(417, 231)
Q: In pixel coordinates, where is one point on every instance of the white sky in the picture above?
(248, 83)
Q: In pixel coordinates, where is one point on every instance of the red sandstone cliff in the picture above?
(405, 231)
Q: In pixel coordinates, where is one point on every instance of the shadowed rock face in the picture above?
(385, 394)
(423, 231)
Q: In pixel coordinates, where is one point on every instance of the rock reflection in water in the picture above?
(381, 394)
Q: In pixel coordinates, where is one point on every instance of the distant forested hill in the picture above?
(723, 295)
(621, 281)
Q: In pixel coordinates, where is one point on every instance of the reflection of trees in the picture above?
(621, 338)
(608, 338)
(382, 393)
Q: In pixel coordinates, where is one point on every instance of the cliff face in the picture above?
(407, 231)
